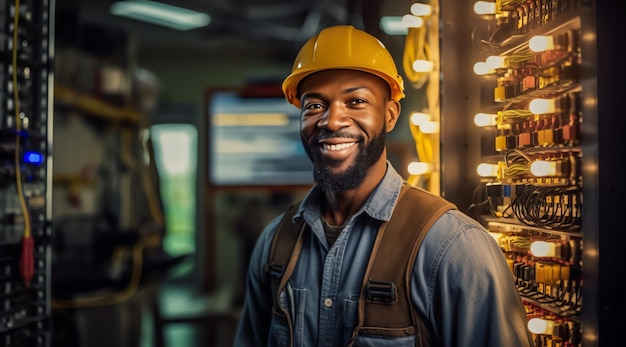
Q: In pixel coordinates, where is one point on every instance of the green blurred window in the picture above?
(175, 151)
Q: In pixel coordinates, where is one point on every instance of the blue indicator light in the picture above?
(33, 158)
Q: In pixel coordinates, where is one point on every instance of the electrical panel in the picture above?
(531, 157)
(25, 60)
(520, 132)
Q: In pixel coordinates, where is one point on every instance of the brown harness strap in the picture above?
(386, 308)
(385, 305)
(285, 249)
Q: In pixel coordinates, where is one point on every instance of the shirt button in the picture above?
(328, 302)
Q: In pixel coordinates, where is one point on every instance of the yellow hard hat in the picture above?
(343, 47)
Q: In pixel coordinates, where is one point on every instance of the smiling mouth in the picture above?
(337, 147)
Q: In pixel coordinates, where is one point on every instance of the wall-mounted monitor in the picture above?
(255, 141)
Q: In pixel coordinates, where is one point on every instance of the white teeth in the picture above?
(339, 146)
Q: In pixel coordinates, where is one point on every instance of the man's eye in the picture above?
(312, 106)
(357, 101)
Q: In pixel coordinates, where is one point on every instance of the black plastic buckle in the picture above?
(275, 271)
(381, 291)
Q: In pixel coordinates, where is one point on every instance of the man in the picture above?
(348, 89)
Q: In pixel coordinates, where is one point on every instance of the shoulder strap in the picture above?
(386, 308)
(283, 256)
(284, 242)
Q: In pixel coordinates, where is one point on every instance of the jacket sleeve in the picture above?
(256, 315)
(465, 287)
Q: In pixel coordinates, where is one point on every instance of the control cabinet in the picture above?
(527, 123)
(26, 51)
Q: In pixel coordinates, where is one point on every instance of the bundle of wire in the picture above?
(415, 48)
(556, 208)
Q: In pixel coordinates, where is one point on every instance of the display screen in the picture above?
(255, 141)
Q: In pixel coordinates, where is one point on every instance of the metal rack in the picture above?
(26, 53)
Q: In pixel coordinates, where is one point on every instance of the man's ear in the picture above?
(392, 112)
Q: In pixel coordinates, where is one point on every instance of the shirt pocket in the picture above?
(379, 341)
(350, 315)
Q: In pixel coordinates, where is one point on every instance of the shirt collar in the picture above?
(380, 204)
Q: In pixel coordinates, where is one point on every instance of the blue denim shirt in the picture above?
(461, 282)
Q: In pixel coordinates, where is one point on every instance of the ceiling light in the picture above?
(161, 14)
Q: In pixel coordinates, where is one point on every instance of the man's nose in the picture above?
(335, 117)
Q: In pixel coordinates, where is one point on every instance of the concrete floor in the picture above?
(184, 317)
(190, 319)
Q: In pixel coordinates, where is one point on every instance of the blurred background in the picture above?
(142, 157)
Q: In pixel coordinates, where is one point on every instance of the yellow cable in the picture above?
(415, 48)
(423, 144)
(150, 187)
(424, 149)
(118, 297)
(18, 124)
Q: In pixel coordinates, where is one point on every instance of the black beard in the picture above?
(355, 174)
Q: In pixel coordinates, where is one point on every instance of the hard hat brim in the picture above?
(291, 84)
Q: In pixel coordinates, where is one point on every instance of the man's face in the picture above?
(344, 118)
